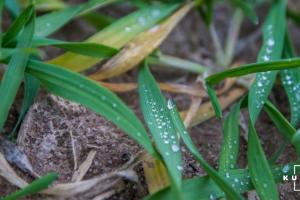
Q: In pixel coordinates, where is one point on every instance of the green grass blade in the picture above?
(274, 30)
(253, 68)
(49, 23)
(260, 172)
(230, 190)
(14, 73)
(83, 48)
(34, 187)
(17, 26)
(31, 88)
(231, 140)
(77, 88)
(291, 82)
(158, 119)
(204, 188)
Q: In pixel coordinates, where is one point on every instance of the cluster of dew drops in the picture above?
(262, 78)
(163, 123)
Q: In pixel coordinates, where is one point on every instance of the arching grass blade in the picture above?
(14, 73)
(274, 30)
(230, 191)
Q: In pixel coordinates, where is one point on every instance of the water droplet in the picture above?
(212, 197)
(179, 167)
(142, 21)
(286, 169)
(270, 42)
(155, 13)
(265, 185)
(175, 148)
(227, 175)
(167, 153)
(127, 29)
(170, 104)
(236, 180)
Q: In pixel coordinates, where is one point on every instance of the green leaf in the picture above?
(160, 124)
(253, 68)
(31, 88)
(291, 82)
(17, 26)
(220, 180)
(274, 30)
(14, 73)
(49, 23)
(77, 88)
(260, 171)
(203, 188)
(34, 187)
(231, 140)
(83, 48)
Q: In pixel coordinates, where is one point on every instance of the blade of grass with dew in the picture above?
(31, 88)
(159, 122)
(49, 23)
(34, 187)
(201, 188)
(274, 30)
(247, 9)
(291, 82)
(127, 28)
(230, 190)
(82, 48)
(17, 26)
(245, 70)
(261, 175)
(14, 73)
(231, 140)
(141, 46)
(77, 88)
